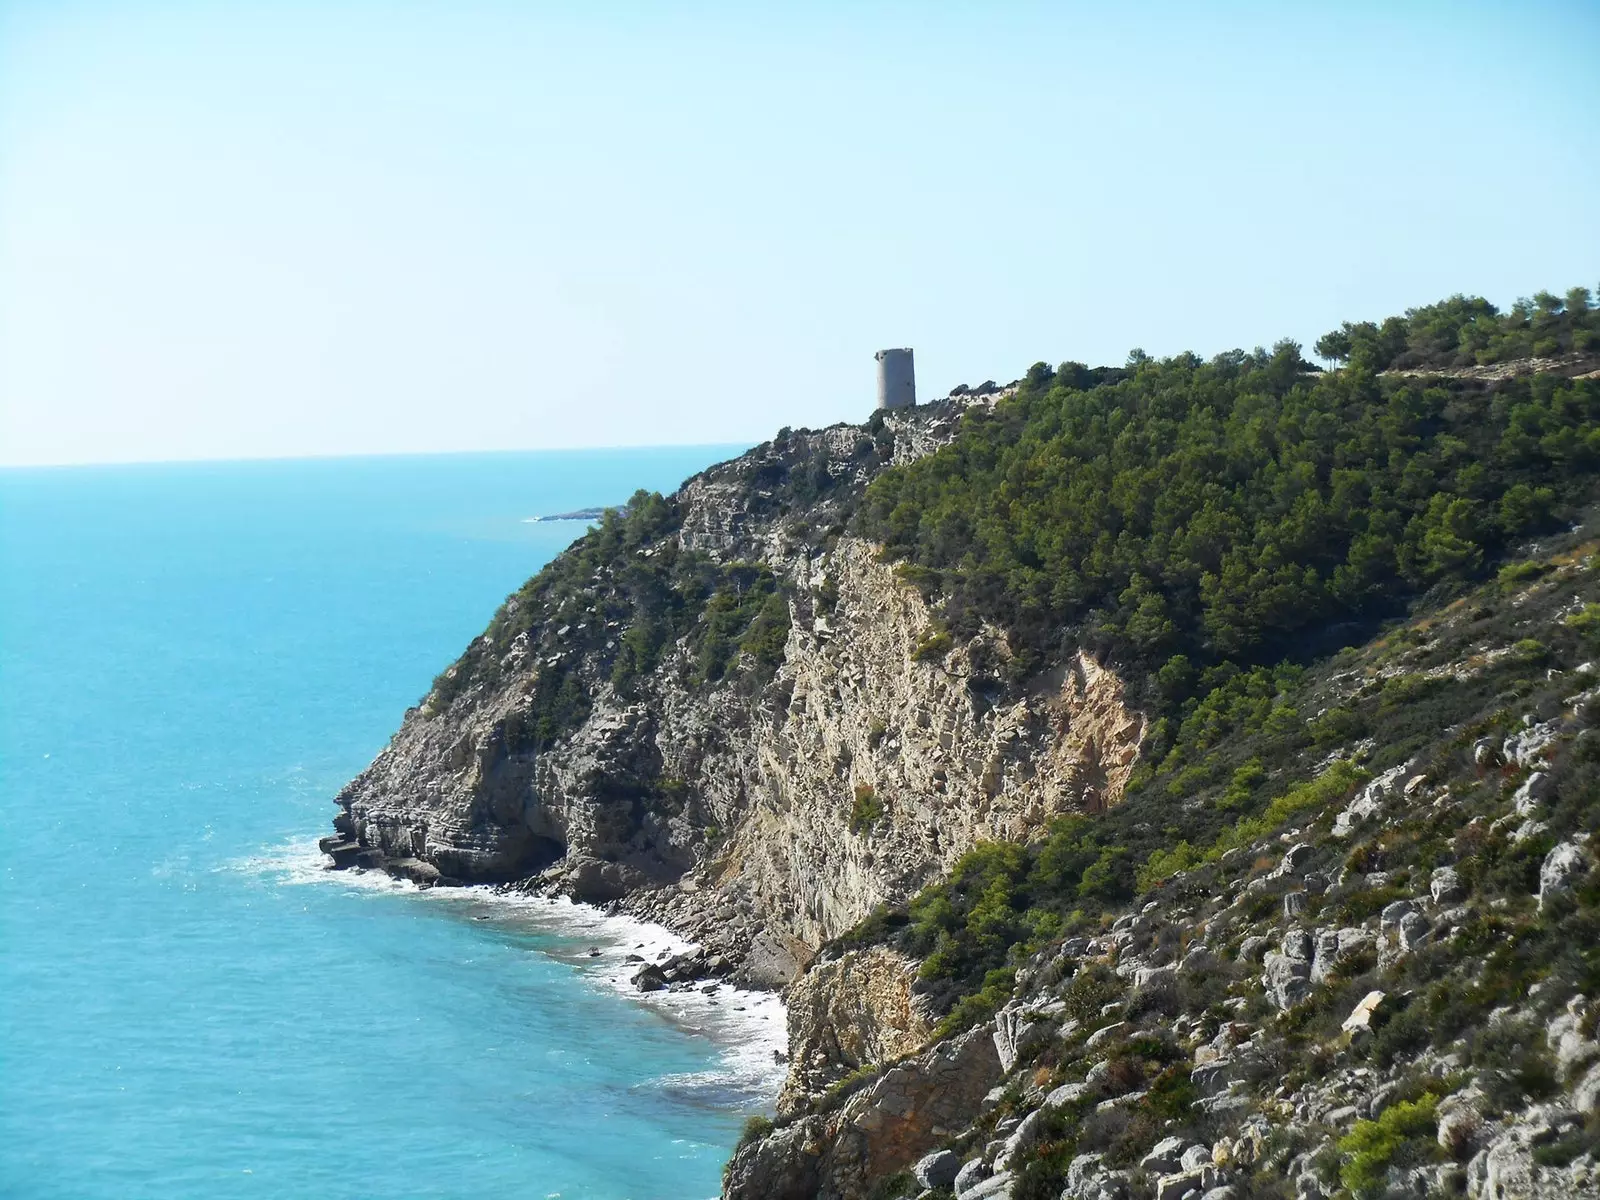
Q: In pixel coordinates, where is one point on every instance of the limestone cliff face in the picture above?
(886, 764)
(761, 816)
(850, 1012)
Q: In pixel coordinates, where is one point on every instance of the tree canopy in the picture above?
(1180, 514)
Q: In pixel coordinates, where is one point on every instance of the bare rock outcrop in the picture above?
(847, 1013)
(885, 1127)
(760, 816)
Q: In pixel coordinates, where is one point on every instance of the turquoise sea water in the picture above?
(193, 659)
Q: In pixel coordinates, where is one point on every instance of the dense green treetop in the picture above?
(1466, 331)
(1185, 514)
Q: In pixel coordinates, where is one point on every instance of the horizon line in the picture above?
(334, 456)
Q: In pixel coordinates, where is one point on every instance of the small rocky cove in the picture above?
(1366, 991)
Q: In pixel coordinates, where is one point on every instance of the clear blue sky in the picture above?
(237, 229)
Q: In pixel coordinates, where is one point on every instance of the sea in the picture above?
(193, 659)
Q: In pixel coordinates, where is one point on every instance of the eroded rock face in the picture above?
(885, 1127)
(760, 821)
(851, 1012)
(946, 767)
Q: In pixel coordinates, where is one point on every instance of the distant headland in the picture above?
(577, 514)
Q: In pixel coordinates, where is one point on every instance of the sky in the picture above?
(238, 229)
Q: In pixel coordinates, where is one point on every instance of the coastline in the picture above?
(605, 949)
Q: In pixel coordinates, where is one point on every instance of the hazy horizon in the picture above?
(733, 448)
(286, 231)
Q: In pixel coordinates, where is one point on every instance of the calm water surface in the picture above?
(193, 659)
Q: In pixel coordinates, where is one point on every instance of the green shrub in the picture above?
(1530, 652)
(1573, 1144)
(866, 810)
(1401, 1136)
(1333, 785)
(980, 1005)
(1520, 572)
(1586, 621)
(747, 614)
(755, 1128)
(1163, 864)
(1090, 990)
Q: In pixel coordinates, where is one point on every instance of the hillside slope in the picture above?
(1385, 982)
(982, 725)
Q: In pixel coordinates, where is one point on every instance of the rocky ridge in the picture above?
(1392, 994)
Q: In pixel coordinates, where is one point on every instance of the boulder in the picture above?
(1195, 1157)
(1151, 978)
(1458, 1128)
(1445, 886)
(1297, 944)
(1414, 930)
(1213, 1078)
(1295, 859)
(1178, 1185)
(1532, 745)
(1567, 1041)
(1014, 1034)
(1503, 1170)
(996, 1187)
(1527, 831)
(1103, 1037)
(650, 978)
(1535, 790)
(595, 881)
(1021, 1140)
(1368, 802)
(1253, 947)
(1068, 1093)
(1563, 867)
(970, 1176)
(1088, 1179)
(1401, 929)
(1586, 1092)
(937, 1170)
(1165, 1157)
(1359, 1022)
(1393, 913)
(1334, 946)
(1286, 978)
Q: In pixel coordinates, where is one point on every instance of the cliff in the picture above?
(765, 807)
(1151, 782)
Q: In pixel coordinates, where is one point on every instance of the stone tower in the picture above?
(897, 378)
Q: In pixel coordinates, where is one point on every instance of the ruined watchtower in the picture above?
(897, 378)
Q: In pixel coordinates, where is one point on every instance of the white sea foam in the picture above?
(749, 1027)
(299, 862)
